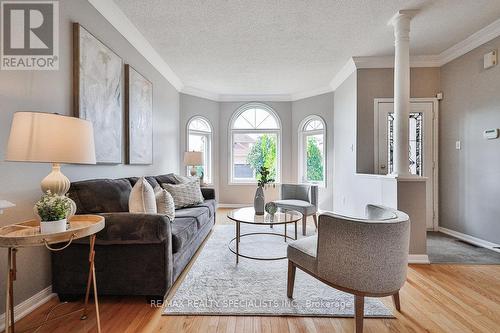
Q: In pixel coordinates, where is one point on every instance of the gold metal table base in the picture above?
(9, 295)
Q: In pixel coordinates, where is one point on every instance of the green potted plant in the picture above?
(53, 210)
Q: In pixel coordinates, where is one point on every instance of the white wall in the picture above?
(51, 91)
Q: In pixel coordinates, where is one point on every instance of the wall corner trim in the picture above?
(471, 239)
(343, 74)
(26, 307)
(117, 18)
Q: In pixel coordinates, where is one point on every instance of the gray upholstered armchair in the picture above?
(302, 198)
(364, 257)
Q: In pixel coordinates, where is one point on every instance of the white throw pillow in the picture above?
(164, 203)
(186, 194)
(142, 198)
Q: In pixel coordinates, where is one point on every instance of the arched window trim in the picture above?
(301, 145)
(232, 131)
(210, 145)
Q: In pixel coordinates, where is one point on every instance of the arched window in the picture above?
(255, 135)
(312, 150)
(200, 139)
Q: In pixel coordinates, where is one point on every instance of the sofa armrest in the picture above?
(134, 228)
(208, 193)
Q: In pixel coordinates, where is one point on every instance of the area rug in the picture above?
(216, 285)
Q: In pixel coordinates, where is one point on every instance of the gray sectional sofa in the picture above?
(136, 254)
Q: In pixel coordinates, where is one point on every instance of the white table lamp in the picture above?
(51, 138)
(193, 159)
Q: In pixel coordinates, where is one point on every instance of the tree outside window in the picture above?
(312, 150)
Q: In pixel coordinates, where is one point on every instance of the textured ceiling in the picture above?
(291, 46)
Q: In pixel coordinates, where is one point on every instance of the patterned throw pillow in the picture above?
(142, 198)
(185, 194)
(164, 203)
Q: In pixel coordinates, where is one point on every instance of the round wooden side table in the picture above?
(27, 234)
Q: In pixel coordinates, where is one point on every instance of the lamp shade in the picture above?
(193, 158)
(48, 137)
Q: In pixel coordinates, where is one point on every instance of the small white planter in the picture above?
(49, 227)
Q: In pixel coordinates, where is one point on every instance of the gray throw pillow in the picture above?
(185, 194)
(164, 203)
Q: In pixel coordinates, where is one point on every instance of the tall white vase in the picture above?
(259, 201)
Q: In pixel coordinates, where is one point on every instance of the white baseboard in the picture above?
(418, 259)
(26, 307)
(223, 205)
(470, 239)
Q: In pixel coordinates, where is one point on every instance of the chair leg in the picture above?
(395, 299)
(304, 223)
(315, 217)
(359, 310)
(291, 279)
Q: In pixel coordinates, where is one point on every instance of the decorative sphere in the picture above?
(271, 208)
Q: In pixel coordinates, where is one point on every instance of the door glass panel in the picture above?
(415, 142)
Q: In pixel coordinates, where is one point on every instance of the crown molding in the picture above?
(311, 93)
(388, 61)
(117, 18)
(188, 90)
(256, 97)
(478, 38)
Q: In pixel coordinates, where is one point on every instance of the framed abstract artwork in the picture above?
(139, 116)
(97, 91)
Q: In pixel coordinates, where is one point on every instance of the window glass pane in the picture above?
(315, 163)
(199, 124)
(256, 119)
(200, 142)
(314, 125)
(251, 151)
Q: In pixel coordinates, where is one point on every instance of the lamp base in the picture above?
(56, 182)
(193, 171)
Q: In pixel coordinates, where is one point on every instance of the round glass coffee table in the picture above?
(247, 216)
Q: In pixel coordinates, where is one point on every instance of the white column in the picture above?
(401, 23)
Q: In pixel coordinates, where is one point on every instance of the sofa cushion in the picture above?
(100, 195)
(151, 180)
(200, 213)
(211, 205)
(184, 229)
(168, 179)
(304, 207)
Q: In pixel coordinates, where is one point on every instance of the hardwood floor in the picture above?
(436, 298)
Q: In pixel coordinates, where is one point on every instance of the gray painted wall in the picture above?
(51, 91)
(378, 83)
(321, 105)
(469, 189)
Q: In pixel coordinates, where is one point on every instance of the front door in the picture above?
(421, 146)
